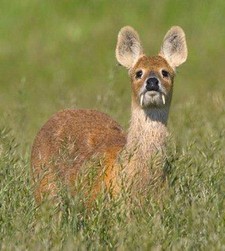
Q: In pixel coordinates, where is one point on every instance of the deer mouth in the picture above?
(152, 98)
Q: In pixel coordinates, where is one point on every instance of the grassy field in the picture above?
(60, 54)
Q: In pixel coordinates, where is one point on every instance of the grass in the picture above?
(59, 54)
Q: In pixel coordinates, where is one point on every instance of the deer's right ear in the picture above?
(128, 48)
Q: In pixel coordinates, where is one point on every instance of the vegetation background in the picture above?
(60, 54)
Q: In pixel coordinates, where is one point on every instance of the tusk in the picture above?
(141, 101)
(163, 99)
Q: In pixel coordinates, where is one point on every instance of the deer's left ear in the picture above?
(174, 47)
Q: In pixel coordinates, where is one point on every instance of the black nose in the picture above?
(152, 84)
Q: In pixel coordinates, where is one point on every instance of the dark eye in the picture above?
(165, 74)
(139, 74)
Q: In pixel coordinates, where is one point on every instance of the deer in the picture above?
(70, 140)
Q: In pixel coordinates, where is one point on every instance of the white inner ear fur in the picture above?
(128, 48)
(174, 47)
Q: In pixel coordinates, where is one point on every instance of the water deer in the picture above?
(73, 138)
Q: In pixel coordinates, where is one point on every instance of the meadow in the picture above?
(61, 54)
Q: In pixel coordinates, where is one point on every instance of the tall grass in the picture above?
(60, 54)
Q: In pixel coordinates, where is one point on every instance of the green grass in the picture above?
(60, 54)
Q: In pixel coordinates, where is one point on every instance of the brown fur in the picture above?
(69, 139)
(74, 139)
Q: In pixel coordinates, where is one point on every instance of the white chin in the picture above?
(152, 98)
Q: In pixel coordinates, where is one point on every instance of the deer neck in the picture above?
(146, 138)
(147, 132)
(145, 146)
